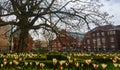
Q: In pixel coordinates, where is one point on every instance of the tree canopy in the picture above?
(50, 15)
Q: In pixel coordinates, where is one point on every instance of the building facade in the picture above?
(4, 38)
(67, 41)
(104, 38)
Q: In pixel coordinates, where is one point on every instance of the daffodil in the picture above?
(36, 63)
(77, 64)
(62, 62)
(104, 66)
(42, 65)
(54, 61)
(1, 65)
(88, 62)
(95, 66)
(115, 65)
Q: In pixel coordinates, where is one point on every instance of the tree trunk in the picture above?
(22, 43)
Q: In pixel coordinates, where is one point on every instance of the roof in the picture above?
(68, 36)
(105, 28)
(76, 35)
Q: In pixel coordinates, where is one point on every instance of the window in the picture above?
(98, 34)
(103, 33)
(104, 49)
(114, 32)
(89, 47)
(88, 41)
(111, 32)
(112, 46)
(104, 46)
(94, 47)
(59, 44)
(79, 44)
(103, 40)
(98, 42)
(94, 41)
(93, 34)
(111, 39)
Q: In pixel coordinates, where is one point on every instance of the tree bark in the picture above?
(22, 43)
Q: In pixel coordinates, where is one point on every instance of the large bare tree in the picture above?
(49, 15)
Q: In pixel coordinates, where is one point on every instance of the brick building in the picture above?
(102, 38)
(4, 38)
(67, 41)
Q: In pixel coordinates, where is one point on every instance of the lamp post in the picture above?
(0, 9)
(10, 38)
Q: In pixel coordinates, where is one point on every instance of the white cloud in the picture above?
(113, 8)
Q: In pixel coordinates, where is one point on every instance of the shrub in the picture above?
(102, 60)
(57, 56)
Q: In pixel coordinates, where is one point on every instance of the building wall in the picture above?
(4, 38)
(4, 32)
(102, 40)
(118, 38)
(65, 42)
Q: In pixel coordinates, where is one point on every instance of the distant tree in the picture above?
(49, 15)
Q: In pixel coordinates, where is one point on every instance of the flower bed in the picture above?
(74, 61)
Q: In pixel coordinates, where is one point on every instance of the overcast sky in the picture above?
(113, 8)
(110, 6)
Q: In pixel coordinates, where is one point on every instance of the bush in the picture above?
(102, 60)
(39, 58)
(57, 56)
